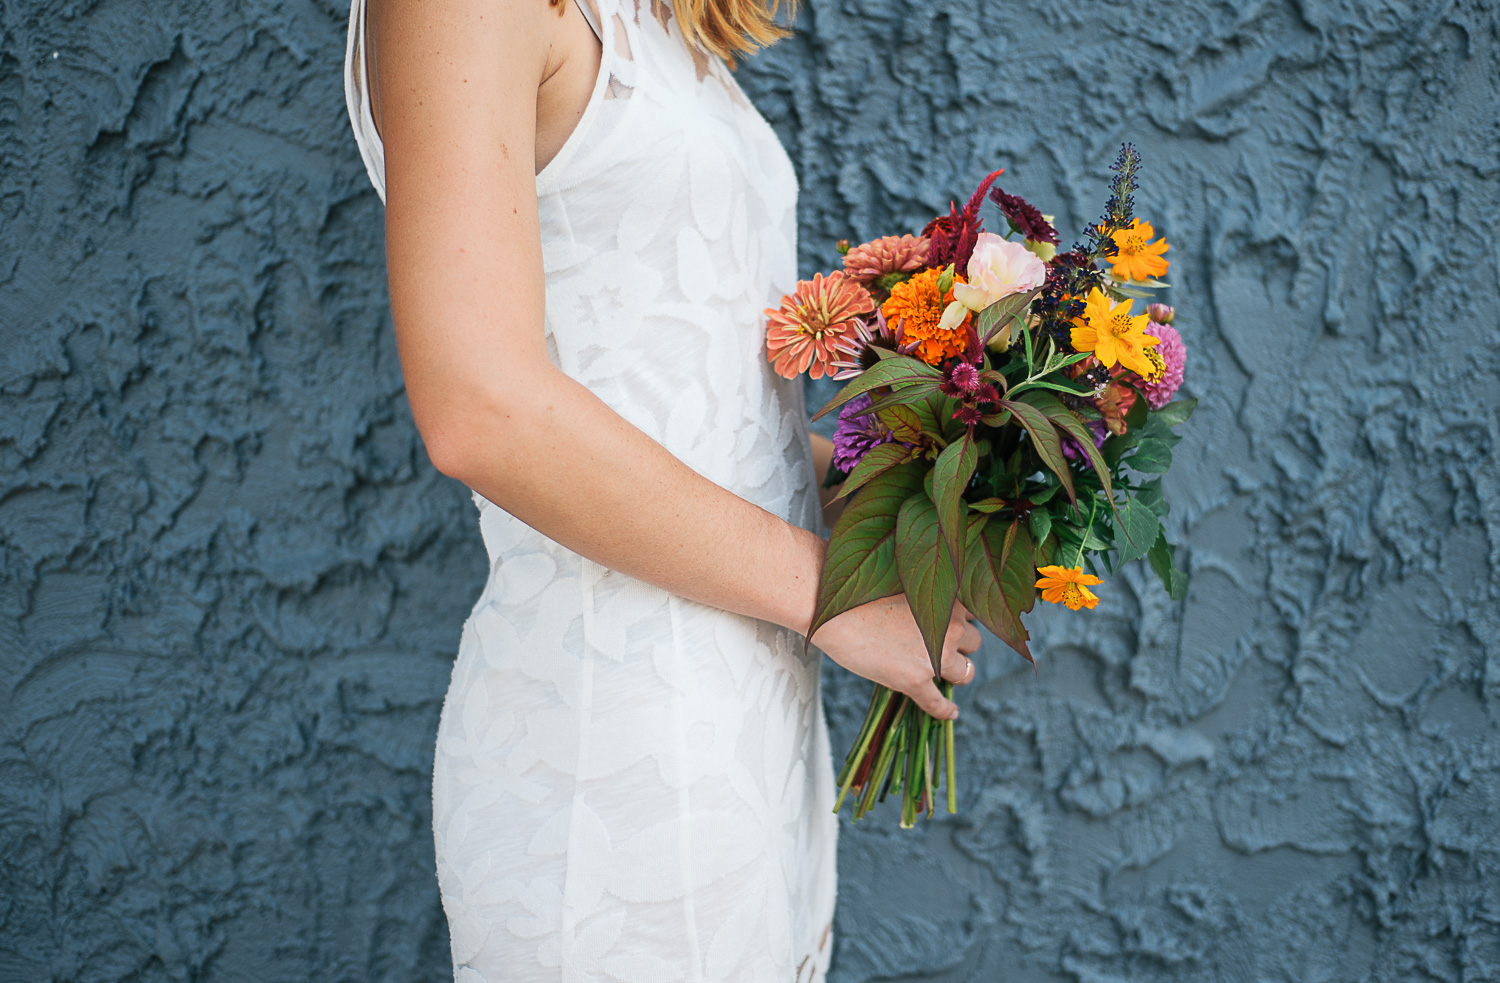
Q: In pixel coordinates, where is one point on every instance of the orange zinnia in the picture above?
(1137, 257)
(1068, 585)
(919, 307)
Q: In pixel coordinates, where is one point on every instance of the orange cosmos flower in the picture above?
(1068, 585)
(1137, 258)
(919, 306)
(801, 333)
(1115, 338)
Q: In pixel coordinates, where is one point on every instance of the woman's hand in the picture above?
(881, 642)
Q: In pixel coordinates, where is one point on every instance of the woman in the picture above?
(584, 221)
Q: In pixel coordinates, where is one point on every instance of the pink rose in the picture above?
(997, 269)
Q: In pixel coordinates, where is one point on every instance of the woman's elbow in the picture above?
(463, 435)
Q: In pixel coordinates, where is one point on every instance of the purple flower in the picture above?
(1174, 357)
(858, 431)
(1073, 451)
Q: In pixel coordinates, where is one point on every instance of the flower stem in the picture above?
(948, 754)
(877, 707)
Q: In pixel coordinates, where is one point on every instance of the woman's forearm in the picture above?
(559, 459)
(822, 453)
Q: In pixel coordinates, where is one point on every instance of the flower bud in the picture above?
(945, 280)
(1043, 251)
(1160, 313)
(842, 246)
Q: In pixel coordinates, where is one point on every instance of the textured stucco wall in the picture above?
(230, 582)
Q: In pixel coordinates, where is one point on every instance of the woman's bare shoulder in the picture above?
(437, 65)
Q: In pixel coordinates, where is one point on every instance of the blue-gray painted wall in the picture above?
(230, 582)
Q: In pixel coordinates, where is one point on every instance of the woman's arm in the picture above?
(459, 83)
(822, 454)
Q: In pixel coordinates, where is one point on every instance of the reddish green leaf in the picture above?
(860, 564)
(877, 460)
(894, 371)
(1003, 312)
(1072, 424)
(903, 421)
(926, 573)
(999, 582)
(950, 476)
(1044, 438)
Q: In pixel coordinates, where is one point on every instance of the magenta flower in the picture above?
(1174, 357)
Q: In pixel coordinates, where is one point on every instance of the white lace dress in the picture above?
(631, 786)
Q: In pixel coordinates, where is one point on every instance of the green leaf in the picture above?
(904, 396)
(988, 505)
(1163, 559)
(1156, 428)
(903, 421)
(1175, 413)
(999, 582)
(926, 573)
(1044, 438)
(1115, 446)
(1152, 456)
(1139, 409)
(860, 564)
(1069, 422)
(950, 476)
(1150, 495)
(1136, 529)
(895, 370)
(1001, 313)
(877, 460)
(1041, 524)
(1047, 551)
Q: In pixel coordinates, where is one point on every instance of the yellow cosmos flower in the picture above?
(1068, 585)
(1138, 258)
(1113, 335)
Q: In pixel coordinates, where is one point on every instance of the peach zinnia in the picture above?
(918, 306)
(1068, 585)
(1136, 256)
(888, 254)
(800, 334)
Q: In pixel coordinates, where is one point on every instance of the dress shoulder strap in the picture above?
(591, 17)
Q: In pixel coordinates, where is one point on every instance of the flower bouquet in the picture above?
(1003, 430)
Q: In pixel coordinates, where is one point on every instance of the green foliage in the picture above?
(897, 370)
(1002, 313)
(1136, 530)
(1163, 559)
(950, 477)
(926, 572)
(1045, 439)
(860, 565)
(876, 461)
(999, 581)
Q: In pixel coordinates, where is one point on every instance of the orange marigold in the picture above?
(919, 307)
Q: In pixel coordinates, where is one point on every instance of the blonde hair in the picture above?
(727, 28)
(731, 28)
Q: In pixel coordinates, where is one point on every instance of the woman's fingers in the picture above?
(958, 668)
(931, 700)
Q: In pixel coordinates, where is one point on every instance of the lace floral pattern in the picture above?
(630, 786)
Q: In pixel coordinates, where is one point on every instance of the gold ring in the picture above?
(968, 673)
